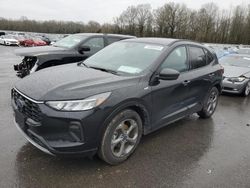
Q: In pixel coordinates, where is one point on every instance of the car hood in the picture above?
(71, 82)
(233, 71)
(38, 50)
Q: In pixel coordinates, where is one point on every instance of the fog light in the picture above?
(76, 131)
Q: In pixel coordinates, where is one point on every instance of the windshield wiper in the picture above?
(106, 70)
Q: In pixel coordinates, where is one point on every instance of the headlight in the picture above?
(79, 105)
(239, 79)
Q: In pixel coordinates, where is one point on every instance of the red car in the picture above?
(21, 39)
(34, 42)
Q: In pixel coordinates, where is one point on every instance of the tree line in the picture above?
(174, 20)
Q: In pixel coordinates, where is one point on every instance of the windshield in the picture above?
(70, 41)
(125, 57)
(238, 61)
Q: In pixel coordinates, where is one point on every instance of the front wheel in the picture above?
(210, 104)
(121, 137)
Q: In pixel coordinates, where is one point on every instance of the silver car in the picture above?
(236, 74)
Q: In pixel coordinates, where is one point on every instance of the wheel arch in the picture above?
(135, 105)
(218, 86)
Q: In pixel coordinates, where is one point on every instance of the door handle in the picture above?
(186, 82)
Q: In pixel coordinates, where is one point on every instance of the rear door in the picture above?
(200, 75)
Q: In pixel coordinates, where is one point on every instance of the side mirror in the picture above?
(169, 74)
(83, 49)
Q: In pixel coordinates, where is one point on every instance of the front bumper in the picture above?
(11, 43)
(233, 87)
(60, 133)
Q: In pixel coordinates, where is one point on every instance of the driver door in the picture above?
(169, 97)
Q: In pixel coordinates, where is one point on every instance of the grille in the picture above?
(26, 106)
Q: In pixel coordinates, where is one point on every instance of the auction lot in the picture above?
(189, 153)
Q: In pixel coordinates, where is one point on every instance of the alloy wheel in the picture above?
(247, 89)
(212, 102)
(124, 137)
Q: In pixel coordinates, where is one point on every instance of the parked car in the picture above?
(21, 39)
(8, 40)
(54, 38)
(105, 104)
(245, 51)
(237, 74)
(31, 42)
(73, 48)
(2, 33)
(45, 39)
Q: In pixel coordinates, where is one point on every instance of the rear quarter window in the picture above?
(209, 56)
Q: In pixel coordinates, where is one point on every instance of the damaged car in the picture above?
(237, 74)
(105, 104)
(71, 49)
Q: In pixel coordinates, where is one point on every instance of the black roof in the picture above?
(160, 41)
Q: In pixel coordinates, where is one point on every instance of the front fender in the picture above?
(135, 104)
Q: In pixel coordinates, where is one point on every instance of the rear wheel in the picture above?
(246, 91)
(121, 137)
(210, 103)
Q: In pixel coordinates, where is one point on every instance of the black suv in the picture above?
(70, 49)
(106, 103)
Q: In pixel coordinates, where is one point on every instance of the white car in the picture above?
(8, 40)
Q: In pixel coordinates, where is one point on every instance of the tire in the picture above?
(210, 104)
(121, 137)
(246, 91)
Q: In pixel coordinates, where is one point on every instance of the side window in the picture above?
(209, 56)
(113, 39)
(177, 60)
(197, 57)
(95, 44)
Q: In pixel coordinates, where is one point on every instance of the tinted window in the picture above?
(70, 41)
(95, 44)
(209, 56)
(113, 39)
(177, 60)
(197, 57)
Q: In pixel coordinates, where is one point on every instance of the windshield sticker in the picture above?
(128, 69)
(154, 47)
(247, 58)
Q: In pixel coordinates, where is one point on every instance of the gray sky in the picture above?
(85, 10)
